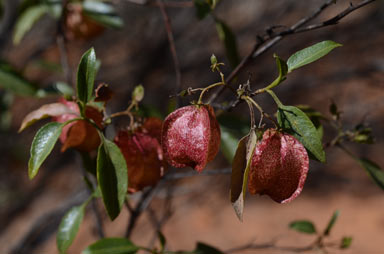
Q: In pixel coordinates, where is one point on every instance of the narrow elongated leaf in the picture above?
(16, 84)
(86, 75)
(315, 117)
(240, 170)
(373, 170)
(303, 226)
(98, 7)
(331, 223)
(112, 177)
(42, 145)
(229, 40)
(310, 54)
(202, 248)
(27, 19)
(297, 123)
(111, 246)
(103, 13)
(69, 227)
(47, 110)
(111, 21)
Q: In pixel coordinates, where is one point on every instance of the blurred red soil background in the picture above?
(197, 208)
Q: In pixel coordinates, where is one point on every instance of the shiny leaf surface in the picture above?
(42, 145)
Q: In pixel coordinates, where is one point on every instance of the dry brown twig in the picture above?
(171, 40)
(270, 39)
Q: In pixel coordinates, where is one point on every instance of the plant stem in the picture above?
(199, 102)
(275, 98)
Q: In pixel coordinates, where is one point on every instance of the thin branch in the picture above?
(45, 226)
(145, 199)
(270, 38)
(168, 28)
(191, 173)
(64, 58)
(158, 223)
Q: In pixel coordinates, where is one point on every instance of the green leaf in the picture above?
(42, 145)
(64, 89)
(111, 246)
(229, 39)
(233, 128)
(310, 54)
(374, 171)
(315, 117)
(202, 248)
(112, 177)
(331, 223)
(15, 83)
(103, 13)
(86, 76)
(69, 227)
(297, 123)
(111, 21)
(282, 68)
(240, 171)
(228, 144)
(346, 242)
(202, 8)
(98, 7)
(27, 19)
(303, 226)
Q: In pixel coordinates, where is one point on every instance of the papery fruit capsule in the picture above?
(279, 167)
(143, 154)
(191, 137)
(80, 134)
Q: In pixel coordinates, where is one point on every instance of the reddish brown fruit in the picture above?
(80, 135)
(279, 167)
(191, 137)
(143, 154)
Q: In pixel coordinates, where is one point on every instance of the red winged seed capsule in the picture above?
(191, 137)
(143, 154)
(279, 167)
(80, 134)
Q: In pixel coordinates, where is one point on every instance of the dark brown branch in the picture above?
(168, 28)
(191, 173)
(270, 38)
(273, 246)
(142, 204)
(60, 40)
